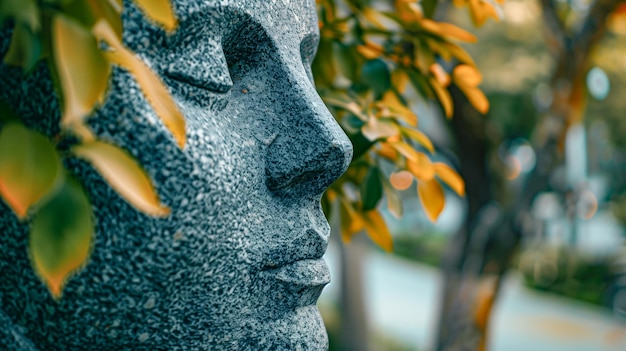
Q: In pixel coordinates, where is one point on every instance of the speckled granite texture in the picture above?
(237, 265)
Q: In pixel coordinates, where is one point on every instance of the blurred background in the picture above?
(556, 228)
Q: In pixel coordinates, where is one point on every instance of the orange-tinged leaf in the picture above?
(447, 30)
(458, 52)
(153, 88)
(422, 168)
(376, 129)
(405, 150)
(124, 175)
(467, 75)
(160, 11)
(432, 198)
(443, 96)
(481, 10)
(387, 151)
(401, 180)
(83, 70)
(420, 137)
(450, 177)
(30, 167)
(61, 235)
(477, 98)
(377, 230)
(369, 52)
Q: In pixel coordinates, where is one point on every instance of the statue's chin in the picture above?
(302, 329)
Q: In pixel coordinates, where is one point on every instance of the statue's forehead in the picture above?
(276, 17)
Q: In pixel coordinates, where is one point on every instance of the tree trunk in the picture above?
(480, 253)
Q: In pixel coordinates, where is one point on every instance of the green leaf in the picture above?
(124, 174)
(83, 69)
(371, 189)
(25, 48)
(429, 7)
(346, 60)
(323, 66)
(29, 167)
(375, 74)
(61, 235)
(89, 12)
(25, 11)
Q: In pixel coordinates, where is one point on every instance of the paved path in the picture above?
(402, 298)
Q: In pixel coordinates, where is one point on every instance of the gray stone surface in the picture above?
(237, 265)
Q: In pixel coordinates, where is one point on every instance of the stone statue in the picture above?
(238, 263)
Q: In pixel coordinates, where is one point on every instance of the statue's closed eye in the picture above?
(203, 66)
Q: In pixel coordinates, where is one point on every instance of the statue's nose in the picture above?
(311, 150)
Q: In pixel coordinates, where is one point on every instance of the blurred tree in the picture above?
(481, 252)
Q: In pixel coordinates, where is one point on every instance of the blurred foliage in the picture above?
(570, 273)
(68, 36)
(375, 57)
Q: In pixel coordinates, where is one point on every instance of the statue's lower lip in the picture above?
(303, 273)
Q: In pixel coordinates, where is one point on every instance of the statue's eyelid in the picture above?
(204, 66)
(308, 48)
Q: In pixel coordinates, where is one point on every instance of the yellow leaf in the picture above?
(405, 150)
(160, 11)
(432, 198)
(459, 53)
(422, 168)
(447, 30)
(420, 137)
(61, 235)
(370, 51)
(443, 96)
(467, 75)
(83, 70)
(391, 101)
(450, 177)
(401, 180)
(481, 10)
(408, 11)
(351, 222)
(153, 88)
(372, 16)
(387, 151)
(467, 79)
(616, 21)
(124, 175)
(476, 98)
(376, 129)
(377, 230)
(399, 80)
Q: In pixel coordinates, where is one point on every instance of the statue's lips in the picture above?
(302, 273)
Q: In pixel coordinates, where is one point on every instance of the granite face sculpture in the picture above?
(237, 265)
